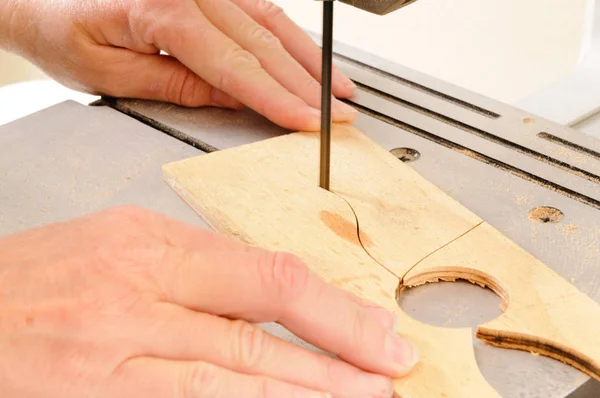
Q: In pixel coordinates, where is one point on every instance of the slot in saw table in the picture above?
(536, 181)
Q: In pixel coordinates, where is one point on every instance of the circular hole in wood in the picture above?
(451, 304)
(546, 214)
(528, 120)
(461, 304)
(406, 154)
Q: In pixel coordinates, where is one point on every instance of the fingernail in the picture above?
(350, 84)
(403, 353)
(387, 318)
(375, 386)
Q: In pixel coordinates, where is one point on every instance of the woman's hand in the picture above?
(129, 303)
(221, 53)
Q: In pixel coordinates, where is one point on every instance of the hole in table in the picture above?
(546, 214)
(528, 120)
(406, 154)
(453, 304)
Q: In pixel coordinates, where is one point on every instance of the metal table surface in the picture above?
(71, 159)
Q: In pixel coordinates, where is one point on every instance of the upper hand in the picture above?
(129, 303)
(226, 53)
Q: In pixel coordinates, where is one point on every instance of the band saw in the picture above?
(536, 181)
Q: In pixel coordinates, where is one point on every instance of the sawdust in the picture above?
(546, 214)
(568, 229)
(575, 156)
(593, 248)
(531, 178)
(523, 199)
(571, 229)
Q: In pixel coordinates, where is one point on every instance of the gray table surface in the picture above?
(70, 159)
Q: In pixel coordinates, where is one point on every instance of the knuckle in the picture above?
(139, 11)
(179, 262)
(240, 58)
(234, 61)
(249, 344)
(148, 16)
(182, 87)
(286, 274)
(268, 12)
(200, 380)
(153, 24)
(312, 84)
(266, 38)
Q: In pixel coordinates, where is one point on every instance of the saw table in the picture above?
(536, 181)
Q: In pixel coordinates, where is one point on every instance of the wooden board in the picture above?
(383, 227)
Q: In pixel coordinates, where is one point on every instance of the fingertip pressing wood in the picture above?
(380, 224)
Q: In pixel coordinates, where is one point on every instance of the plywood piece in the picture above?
(543, 313)
(383, 191)
(381, 221)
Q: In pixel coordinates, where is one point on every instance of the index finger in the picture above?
(188, 35)
(264, 286)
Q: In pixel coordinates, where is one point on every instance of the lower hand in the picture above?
(225, 53)
(129, 303)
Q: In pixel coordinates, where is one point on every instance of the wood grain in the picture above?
(267, 194)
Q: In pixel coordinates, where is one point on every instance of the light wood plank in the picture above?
(267, 194)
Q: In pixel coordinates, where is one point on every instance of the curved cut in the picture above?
(537, 345)
(452, 274)
(543, 313)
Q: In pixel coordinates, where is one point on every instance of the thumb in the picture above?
(161, 78)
